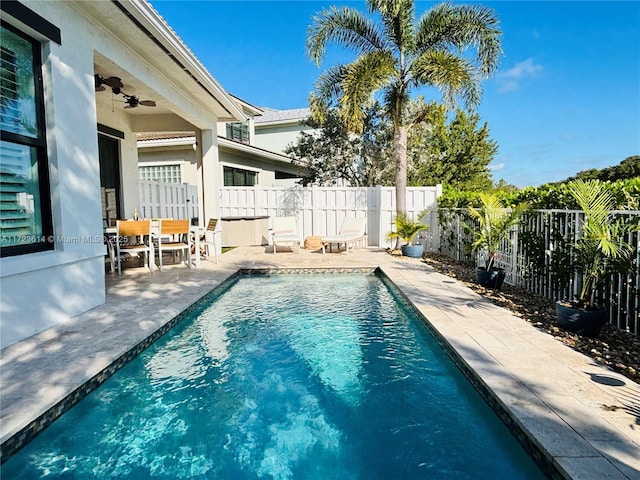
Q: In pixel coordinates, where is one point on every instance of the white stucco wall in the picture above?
(42, 289)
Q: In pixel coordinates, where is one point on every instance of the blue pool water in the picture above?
(284, 377)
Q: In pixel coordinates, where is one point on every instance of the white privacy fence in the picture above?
(538, 257)
(320, 210)
(168, 200)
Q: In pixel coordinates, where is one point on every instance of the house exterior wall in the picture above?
(266, 178)
(277, 137)
(42, 289)
(185, 156)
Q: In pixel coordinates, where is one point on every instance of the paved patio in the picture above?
(585, 418)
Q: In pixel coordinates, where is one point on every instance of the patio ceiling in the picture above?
(154, 64)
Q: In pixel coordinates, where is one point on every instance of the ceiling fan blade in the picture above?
(113, 82)
(148, 103)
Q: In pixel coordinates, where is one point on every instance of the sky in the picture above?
(566, 97)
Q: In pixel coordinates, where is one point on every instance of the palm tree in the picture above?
(398, 54)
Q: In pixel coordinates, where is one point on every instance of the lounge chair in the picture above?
(351, 233)
(285, 232)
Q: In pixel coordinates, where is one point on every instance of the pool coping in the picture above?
(407, 278)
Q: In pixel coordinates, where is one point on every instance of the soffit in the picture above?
(155, 68)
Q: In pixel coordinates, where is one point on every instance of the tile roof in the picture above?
(164, 135)
(272, 115)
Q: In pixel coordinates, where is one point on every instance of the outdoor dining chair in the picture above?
(174, 236)
(208, 240)
(134, 236)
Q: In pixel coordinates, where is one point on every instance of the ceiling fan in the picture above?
(100, 82)
(132, 101)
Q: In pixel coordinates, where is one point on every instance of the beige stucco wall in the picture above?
(184, 156)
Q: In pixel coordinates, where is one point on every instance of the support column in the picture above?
(210, 179)
(211, 175)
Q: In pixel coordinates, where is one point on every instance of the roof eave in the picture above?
(144, 13)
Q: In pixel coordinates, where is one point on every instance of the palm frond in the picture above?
(397, 18)
(448, 26)
(346, 27)
(367, 74)
(454, 76)
(395, 101)
(328, 86)
(594, 200)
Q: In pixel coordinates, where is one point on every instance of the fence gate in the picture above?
(168, 200)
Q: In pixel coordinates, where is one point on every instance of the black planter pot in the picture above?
(490, 279)
(580, 321)
(413, 251)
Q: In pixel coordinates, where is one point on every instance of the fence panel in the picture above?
(168, 200)
(537, 257)
(320, 210)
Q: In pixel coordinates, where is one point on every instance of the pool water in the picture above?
(284, 377)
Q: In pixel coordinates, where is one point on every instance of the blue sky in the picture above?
(566, 97)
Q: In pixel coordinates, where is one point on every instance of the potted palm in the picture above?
(598, 251)
(406, 230)
(492, 224)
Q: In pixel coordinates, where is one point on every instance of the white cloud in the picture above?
(497, 166)
(510, 79)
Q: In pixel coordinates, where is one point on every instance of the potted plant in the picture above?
(406, 230)
(493, 221)
(598, 251)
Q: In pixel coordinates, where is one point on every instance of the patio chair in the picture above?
(208, 240)
(134, 236)
(174, 236)
(285, 232)
(351, 233)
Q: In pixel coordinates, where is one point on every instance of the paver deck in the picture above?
(585, 417)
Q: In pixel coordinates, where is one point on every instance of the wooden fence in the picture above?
(320, 210)
(537, 257)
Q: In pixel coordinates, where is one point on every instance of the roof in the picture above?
(271, 115)
(148, 136)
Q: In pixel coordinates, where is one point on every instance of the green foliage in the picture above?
(396, 54)
(601, 245)
(629, 168)
(626, 194)
(407, 228)
(456, 153)
(492, 224)
(331, 154)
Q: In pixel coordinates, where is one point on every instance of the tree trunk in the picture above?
(400, 154)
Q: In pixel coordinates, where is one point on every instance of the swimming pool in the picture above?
(284, 376)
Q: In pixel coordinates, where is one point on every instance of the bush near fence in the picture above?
(537, 258)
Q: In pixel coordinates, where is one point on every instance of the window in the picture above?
(238, 132)
(25, 203)
(164, 173)
(234, 177)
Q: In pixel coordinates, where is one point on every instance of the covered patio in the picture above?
(578, 419)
